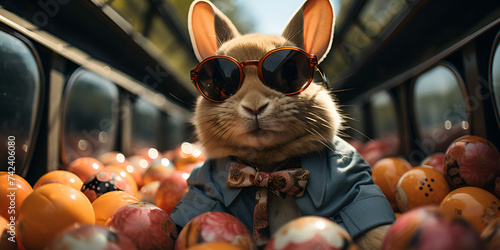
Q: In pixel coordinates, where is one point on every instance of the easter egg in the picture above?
(491, 235)
(158, 170)
(84, 167)
(148, 192)
(49, 210)
(147, 225)
(111, 158)
(188, 157)
(140, 162)
(435, 160)
(386, 174)
(131, 169)
(150, 154)
(171, 191)
(7, 234)
(60, 176)
(310, 232)
(214, 227)
(216, 246)
(13, 190)
(91, 237)
(421, 186)
(474, 204)
(425, 228)
(124, 174)
(104, 181)
(107, 204)
(471, 161)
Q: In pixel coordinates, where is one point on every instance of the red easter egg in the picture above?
(91, 237)
(214, 227)
(421, 186)
(474, 204)
(436, 161)
(386, 174)
(310, 232)
(84, 167)
(147, 225)
(425, 228)
(171, 190)
(471, 161)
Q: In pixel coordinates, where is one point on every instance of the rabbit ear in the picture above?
(311, 28)
(208, 28)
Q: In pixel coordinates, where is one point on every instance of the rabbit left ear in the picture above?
(311, 28)
(208, 28)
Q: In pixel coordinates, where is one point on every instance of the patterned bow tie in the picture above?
(290, 181)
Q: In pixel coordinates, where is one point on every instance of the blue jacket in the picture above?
(340, 187)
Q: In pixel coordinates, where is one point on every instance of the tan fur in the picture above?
(372, 239)
(289, 125)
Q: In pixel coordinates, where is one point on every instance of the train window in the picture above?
(145, 125)
(440, 106)
(495, 77)
(384, 119)
(90, 116)
(20, 90)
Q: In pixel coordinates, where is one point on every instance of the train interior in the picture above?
(82, 78)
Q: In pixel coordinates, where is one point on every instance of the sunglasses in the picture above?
(288, 70)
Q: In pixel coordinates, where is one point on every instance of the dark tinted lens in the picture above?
(219, 78)
(287, 71)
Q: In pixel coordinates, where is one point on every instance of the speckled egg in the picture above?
(310, 232)
(421, 186)
(104, 181)
(474, 204)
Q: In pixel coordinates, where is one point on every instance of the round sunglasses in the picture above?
(288, 70)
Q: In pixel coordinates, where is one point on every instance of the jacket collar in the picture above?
(316, 186)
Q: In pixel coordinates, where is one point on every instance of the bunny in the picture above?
(260, 113)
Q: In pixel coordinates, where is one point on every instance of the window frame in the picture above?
(36, 125)
(495, 103)
(463, 88)
(70, 83)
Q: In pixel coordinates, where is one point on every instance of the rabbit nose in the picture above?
(255, 111)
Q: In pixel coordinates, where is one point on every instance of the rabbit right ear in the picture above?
(208, 28)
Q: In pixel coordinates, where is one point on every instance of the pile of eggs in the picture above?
(110, 202)
(449, 201)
